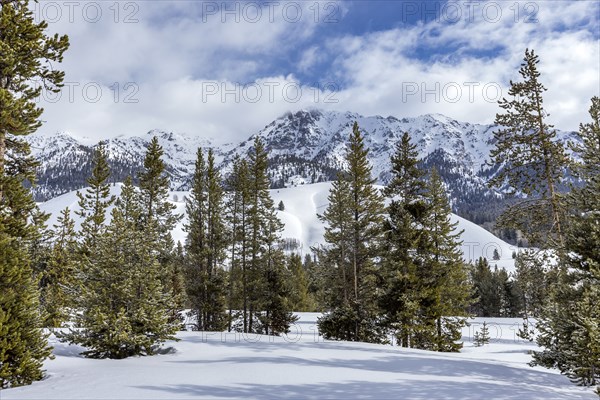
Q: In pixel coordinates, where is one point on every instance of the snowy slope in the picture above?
(212, 365)
(302, 204)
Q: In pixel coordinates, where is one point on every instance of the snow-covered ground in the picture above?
(302, 204)
(228, 366)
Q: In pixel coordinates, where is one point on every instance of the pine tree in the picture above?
(442, 275)
(28, 55)
(57, 283)
(154, 194)
(266, 262)
(482, 279)
(353, 217)
(177, 283)
(482, 337)
(39, 245)
(96, 199)
(402, 231)
(206, 244)
(570, 324)
(258, 279)
(157, 220)
(526, 331)
(281, 206)
(531, 278)
(277, 317)
(237, 211)
(495, 295)
(300, 299)
(316, 281)
(125, 311)
(532, 159)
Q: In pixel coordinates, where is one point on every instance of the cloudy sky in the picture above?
(226, 69)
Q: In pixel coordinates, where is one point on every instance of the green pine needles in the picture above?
(28, 54)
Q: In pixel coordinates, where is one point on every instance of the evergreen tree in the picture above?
(281, 206)
(232, 214)
(125, 311)
(178, 282)
(277, 317)
(266, 263)
(482, 336)
(157, 211)
(28, 55)
(445, 293)
(494, 292)
(157, 220)
(526, 331)
(484, 292)
(237, 212)
(57, 283)
(96, 199)
(259, 280)
(570, 324)
(316, 281)
(300, 299)
(399, 300)
(531, 279)
(206, 244)
(40, 244)
(353, 217)
(532, 159)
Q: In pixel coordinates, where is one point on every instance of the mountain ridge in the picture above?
(305, 146)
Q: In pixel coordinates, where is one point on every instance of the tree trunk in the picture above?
(550, 181)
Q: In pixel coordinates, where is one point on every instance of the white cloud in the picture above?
(383, 75)
(178, 51)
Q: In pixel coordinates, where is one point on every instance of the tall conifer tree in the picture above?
(58, 279)
(445, 292)
(237, 199)
(358, 320)
(402, 230)
(124, 308)
(27, 55)
(532, 159)
(206, 245)
(96, 199)
(570, 324)
(157, 219)
(265, 270)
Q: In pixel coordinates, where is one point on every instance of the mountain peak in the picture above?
(304, 145)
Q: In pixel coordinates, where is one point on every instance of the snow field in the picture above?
(215, 365)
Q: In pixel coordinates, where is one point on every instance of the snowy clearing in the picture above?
(302, 365)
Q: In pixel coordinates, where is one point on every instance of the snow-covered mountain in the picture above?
(306, 146)
(66, 161)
